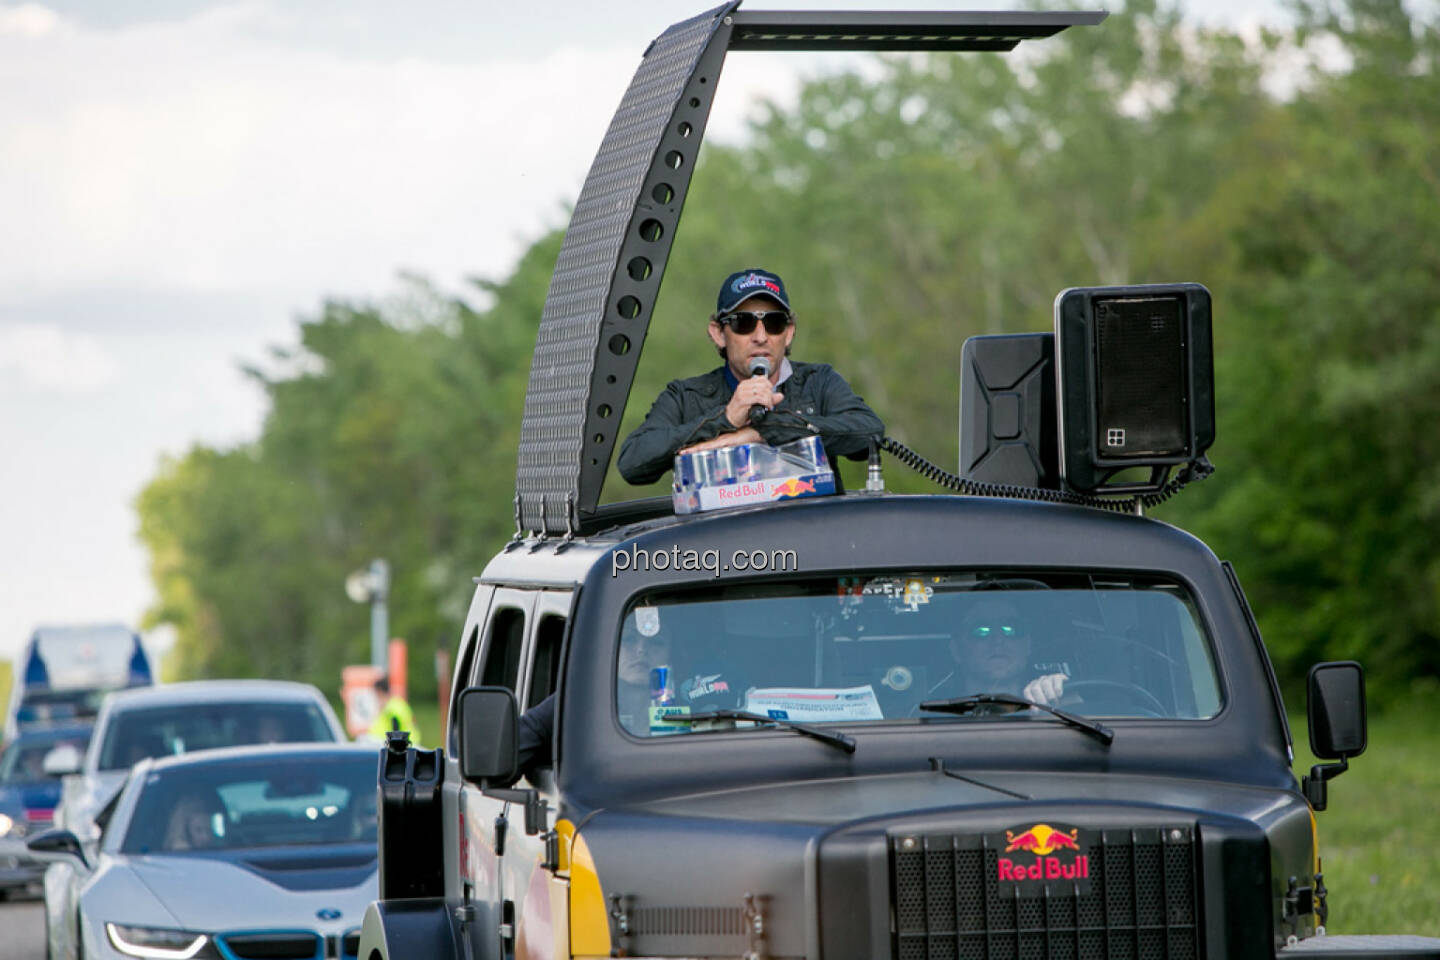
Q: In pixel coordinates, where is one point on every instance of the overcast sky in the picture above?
(181, 179)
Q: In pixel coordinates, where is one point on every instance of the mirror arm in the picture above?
(530, 797)
(1315, 786)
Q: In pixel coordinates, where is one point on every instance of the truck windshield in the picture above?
(874, 648)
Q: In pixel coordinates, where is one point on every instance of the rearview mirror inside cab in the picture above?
(489, 728)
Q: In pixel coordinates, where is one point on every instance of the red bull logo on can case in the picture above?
(792, 487)
(1045, 842)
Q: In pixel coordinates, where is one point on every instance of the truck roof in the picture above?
(867, 531)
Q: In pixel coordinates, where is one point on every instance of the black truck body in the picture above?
(1199, 840)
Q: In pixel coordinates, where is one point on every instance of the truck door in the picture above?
(541, 901)
(486, 829)
(457, 860)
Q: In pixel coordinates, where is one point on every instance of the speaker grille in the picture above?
(1140, 362)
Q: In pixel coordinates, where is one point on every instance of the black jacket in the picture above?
(535, 738)
(817, 400)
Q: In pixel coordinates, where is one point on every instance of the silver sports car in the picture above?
(237, 854)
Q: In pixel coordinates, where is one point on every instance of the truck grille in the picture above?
(1138, 901)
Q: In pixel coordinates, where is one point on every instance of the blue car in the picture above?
(28, 797)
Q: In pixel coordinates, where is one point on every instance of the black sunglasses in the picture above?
(743, 322)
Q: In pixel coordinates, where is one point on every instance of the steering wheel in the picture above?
(1133, 694)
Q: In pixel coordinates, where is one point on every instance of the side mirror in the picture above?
(1335, 708)
(489, 731)
(489, 750)
(58, 846)
(63, 760)
(1335, 711)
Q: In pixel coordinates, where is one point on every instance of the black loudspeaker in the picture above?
(1136, 382)
(1007, 410)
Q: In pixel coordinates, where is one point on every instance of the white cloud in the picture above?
(206, 155)
(50, 359)
(28, 20)
(199, 155)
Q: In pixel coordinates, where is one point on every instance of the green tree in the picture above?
(1332, 396)
(391, 432)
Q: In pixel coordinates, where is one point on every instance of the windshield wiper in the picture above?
(964, 705)
(840, 740)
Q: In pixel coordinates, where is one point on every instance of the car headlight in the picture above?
(5, 824)
(155, 943)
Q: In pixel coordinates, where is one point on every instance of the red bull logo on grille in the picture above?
(1044, 841)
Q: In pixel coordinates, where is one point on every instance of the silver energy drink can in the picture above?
(684, 469)
(725, 465)
(704, 468)
(740, 462)
(814, 450)
(660, 692)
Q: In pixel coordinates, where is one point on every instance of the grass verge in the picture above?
(1379, 835)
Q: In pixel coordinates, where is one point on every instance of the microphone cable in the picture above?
(1196, 470)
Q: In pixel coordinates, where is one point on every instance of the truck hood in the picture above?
(683, 866)
(831, 803)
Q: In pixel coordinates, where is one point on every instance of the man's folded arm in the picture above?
(650, 449)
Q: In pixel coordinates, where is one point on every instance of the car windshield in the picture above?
(59, 706)
(875, 648)
(23, 761)
(133, 735)
(256, 802)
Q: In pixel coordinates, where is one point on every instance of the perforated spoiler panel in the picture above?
(583, 330)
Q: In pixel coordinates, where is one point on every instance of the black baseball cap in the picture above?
(740, 286)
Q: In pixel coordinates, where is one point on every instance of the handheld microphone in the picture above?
(759, 367)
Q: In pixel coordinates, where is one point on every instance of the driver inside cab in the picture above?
(991, 650)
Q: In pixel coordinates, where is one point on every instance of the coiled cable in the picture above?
(1197, 469)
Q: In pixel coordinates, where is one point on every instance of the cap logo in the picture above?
(753, 280)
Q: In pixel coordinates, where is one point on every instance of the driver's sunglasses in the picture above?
(743, 321)
(993, 631)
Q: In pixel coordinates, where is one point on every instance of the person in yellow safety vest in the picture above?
(395, 714)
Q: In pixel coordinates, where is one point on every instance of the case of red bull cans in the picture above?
(751, 473)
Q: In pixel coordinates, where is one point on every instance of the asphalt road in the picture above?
(22, 930)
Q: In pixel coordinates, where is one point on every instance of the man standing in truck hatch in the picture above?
(753, 326)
